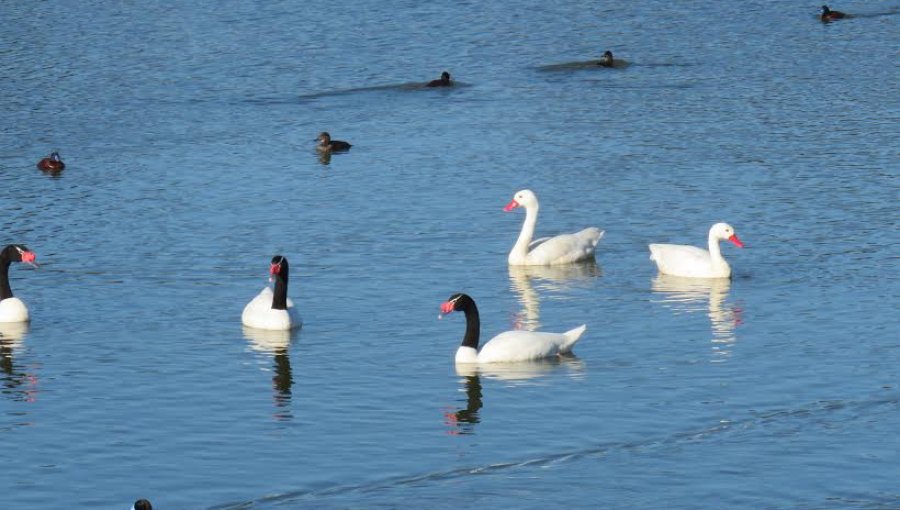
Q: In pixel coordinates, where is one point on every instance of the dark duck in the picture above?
(326, 144)
(444, 81)
(829, 15)
(52, 163)
(606, 60)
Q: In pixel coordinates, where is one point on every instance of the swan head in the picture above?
(278, 268)
(456, 302)
(18, 253)
(725, 231)
(524, 198)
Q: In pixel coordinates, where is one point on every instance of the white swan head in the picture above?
(524, 198)
(724, 231)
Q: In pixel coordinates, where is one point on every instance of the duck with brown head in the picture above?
(326, 144)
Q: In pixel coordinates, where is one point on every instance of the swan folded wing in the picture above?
(679, 259)
(259, 313)
(13, 310)
(513, 346)
(565, 248)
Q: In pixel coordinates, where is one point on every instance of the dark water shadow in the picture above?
(860, 15)
(400, 87)
(822, 414)
(585, 64)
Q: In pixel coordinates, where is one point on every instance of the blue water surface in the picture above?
(188, 128)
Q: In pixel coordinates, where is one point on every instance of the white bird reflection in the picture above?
(522, 371)
(527, 280)
(18, 383)
(276, 344)
(707, 295)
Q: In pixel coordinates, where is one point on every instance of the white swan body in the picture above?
(693, 262)
(561, 249)
(510, 346)
(13, 310)
(259, 313)
(273, 310)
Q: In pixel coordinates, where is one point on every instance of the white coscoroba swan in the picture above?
(12, 309)
(273, 310)
(562, 249)
(509, 346)
(693, 262)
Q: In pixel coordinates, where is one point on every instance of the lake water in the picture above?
(187, 131)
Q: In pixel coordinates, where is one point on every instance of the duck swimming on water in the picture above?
(606, 60)
(52, 162)
(829, 15)
(326, 144)
(444, 81)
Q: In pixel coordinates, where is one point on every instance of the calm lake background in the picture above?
(188, 128)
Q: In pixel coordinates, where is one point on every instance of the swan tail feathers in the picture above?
(597, 239)
(572, 337)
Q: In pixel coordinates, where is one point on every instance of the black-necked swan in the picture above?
(693, 262)
(509, 346)
(12, 309)
(273, 310)
(562, 249)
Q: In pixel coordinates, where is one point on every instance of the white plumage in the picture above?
(561, 249)
(510, 346)
(259, 313)
(693, 262)
(13, 309)
(273, 310)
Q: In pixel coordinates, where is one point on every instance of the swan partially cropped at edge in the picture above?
(509, 346)
(273, 310)
(693, 262)
(13, 309)
(561, 249)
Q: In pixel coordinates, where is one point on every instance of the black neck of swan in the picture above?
(473, 325)
(5, 291)
(279, 299)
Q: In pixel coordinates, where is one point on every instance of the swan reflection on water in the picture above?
(526, 281)
(462, 420)
(276, 344)
(17, 383)
(703, 295)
